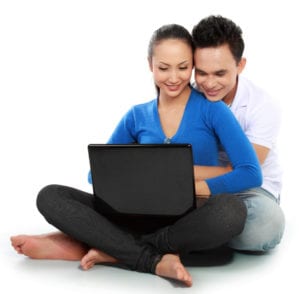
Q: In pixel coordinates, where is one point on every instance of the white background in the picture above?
(70, 69)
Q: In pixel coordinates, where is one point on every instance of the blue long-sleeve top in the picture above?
(205, 125)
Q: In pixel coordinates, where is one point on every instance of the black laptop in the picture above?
(143, 180)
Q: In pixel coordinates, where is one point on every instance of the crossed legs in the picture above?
(60, 246)
(101, 241)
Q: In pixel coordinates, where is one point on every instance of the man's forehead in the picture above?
(213, 59)
(214, 53)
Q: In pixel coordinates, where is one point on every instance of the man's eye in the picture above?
(201, 73)
(220, 74)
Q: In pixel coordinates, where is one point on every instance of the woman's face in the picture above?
(172, 65)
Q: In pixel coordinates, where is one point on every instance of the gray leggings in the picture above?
(74, 213)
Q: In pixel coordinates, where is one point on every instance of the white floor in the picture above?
(274, 272)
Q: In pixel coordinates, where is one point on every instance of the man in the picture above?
(219, 62)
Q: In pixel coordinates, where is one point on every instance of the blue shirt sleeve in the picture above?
(124, 132)
(90, 178)
(240, 153)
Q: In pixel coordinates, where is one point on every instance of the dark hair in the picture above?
(171, 31)
(215, 31)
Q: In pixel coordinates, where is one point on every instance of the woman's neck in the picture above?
(166, 101)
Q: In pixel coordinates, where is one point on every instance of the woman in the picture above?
(180, 114)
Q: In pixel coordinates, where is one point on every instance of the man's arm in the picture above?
(261, 152)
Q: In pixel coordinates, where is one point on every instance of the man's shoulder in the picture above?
(252, 95)
(254, 103)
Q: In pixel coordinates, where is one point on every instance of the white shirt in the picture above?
(260, 117)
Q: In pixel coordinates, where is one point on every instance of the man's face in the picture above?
(216, 72)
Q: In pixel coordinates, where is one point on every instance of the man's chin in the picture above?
(213, 99)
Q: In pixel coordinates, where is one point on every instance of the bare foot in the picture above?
(49, 246)
(170, 266)
(96, 256)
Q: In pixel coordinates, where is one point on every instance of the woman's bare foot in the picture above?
(96, 256)
(49, 246)
(171, 267)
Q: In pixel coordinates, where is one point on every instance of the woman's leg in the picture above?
(214, 224)
(170, 265)
(72, 212)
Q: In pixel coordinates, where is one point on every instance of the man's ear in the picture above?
(242, 64)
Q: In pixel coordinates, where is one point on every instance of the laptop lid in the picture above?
(154, 180)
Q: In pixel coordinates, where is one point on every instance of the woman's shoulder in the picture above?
(206, 105)
(144, 105)
(142, 109)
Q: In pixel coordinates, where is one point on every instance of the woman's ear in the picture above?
(150, 64)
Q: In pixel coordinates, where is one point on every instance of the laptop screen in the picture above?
(143, 179)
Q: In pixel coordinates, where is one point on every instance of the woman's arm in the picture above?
(121, 135)
(201, 173)
(206, 172)
(201, 189)
(246, 172)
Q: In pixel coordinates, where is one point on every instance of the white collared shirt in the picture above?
(260, 118)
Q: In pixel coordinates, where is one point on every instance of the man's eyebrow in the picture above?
(199, 69)
(220, 71)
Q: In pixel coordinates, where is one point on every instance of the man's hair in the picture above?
(214, 31)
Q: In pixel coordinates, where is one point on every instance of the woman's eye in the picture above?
(163, 68)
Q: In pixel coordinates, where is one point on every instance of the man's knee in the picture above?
(261, 232)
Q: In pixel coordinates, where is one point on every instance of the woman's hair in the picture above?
(171, 31)
(214, 31)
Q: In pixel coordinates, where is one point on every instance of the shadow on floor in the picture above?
(214, 257)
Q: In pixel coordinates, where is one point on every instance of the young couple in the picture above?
(238, 176)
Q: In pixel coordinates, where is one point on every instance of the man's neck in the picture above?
(228, 99)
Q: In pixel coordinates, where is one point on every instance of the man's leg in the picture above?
(264, 225)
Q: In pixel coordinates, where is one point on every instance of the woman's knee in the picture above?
(228, 216)
(46, 196)
(232, 213)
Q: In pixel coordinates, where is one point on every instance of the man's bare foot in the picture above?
(96, 256)
(49, 246)
(171, 267)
